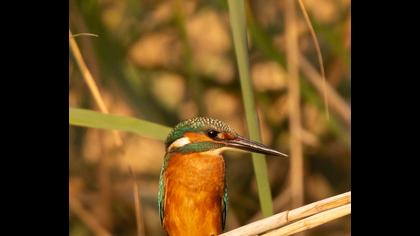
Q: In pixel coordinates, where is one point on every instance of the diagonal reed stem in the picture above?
(283, 218)
(311, 222)
(90, 82)
(319, 54)
(87, 76)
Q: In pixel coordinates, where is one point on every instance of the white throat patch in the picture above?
(218, 151)
(179, 143)
(214, 152)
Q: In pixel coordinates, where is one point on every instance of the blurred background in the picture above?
(166, 61)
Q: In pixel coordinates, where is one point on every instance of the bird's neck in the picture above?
(194, 186)
(196, 168)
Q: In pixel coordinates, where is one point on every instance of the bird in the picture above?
(193, 197)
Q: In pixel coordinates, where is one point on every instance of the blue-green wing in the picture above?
(161, 194)
(225, 200)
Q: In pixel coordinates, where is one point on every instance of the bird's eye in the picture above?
(212, 133)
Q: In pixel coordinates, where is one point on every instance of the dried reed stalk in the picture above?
(103, 174)
(312, 221)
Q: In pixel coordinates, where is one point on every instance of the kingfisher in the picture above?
(193, 198)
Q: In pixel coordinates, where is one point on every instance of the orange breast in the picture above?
(194, 187)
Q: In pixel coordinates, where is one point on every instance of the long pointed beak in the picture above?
(251, 146)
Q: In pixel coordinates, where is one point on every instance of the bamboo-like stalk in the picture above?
(238, 25)
(86, 217)
(312, 221)
(283, 218)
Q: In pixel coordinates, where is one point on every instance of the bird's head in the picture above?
(203, 134)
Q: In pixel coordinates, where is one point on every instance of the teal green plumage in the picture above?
(200, 124)
(225, 203)
(161, 193)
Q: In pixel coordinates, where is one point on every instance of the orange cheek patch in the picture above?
(197, 137)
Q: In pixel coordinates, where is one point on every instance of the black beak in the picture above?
(251, 146)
